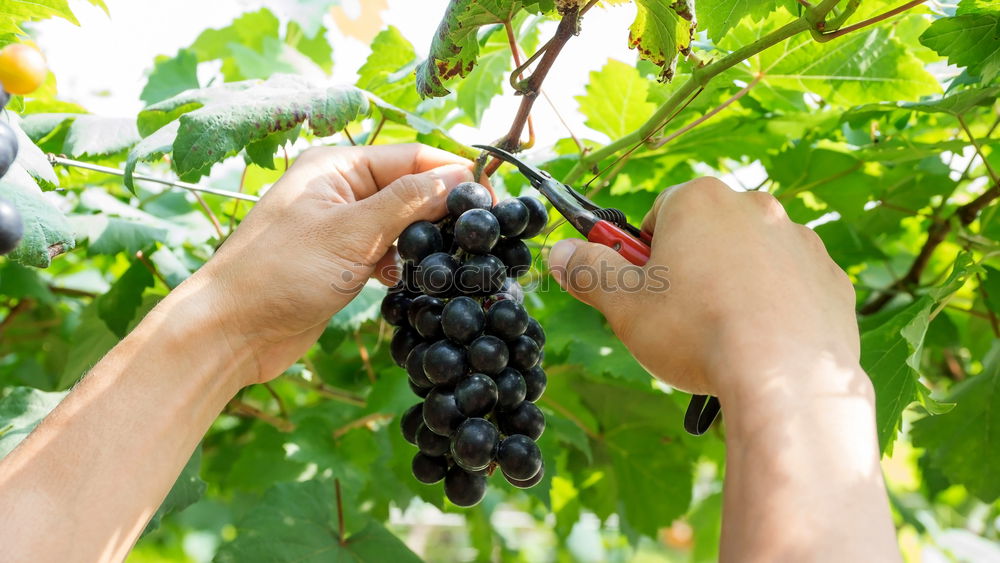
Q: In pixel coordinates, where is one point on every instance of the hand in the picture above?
(750, 294)
(311, 243)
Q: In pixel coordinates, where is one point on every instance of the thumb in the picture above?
(598, 276)
(412, 198)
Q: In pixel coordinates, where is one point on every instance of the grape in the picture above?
(418, 241)
(415, 366)
(476, 231)
(436, 274)
(507, 320)
(430, 443)
(528, 483)
(417, 390)
(535, 380)
(394, 308)
(466, 196)
(403, 341)
(429, 470)
(524, 353)
(463, 488)
(512, 215)
(419, 304)
(11, 227)
(511, 389)
(515, 255)
(519, 457)
(8, 148)
(525, 419)
(411, 420)
(428, 323)
(488, 354)
(445, 362)
(476, 395)
(482, 274)
(538, 217)
(441, 413)
(473, 444)
(409, 281)
(535, 332)
(463, 319)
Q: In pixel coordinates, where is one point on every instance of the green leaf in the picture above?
(615, 103)
(962, 443)
(662, 28)
(296, 522)
(218, 122)
(47, 233)
(187, 490)
(20, 412)
(15, 12)
(117, 307)
(87, 135)
(388, 71)
(248, 31)
(111, 235)
(314, 46)
(428, 133)
(955, 104)
(971, 40)
(171, 76)
(717, 17)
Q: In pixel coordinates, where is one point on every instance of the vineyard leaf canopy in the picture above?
(615, 100)
(970, 39)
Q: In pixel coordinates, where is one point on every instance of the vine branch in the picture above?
(829, 36)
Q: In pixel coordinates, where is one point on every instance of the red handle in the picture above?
(631, 248)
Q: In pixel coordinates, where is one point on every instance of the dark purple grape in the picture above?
(476, 231)
(481, 274)
(476, 395)
(420, 303)
(11, 226)
(431, 443)
(463, 319)
(404, 340)
(415, 366)
(511, 389)
(538, 217)
(445, 362)
(535, 332)
(429, 470)
(394, 308)
(409, 279)
(519, 457)
(8, 150)
(441, 413)
(412, 420)
(418, 391)
(466, 196)
(535, 380)
(515, 255)
(512, 215)
(488, 354)
(527, 484)
(473, 444)
(507, 319)
(524, 353)
(418, 241)
(436, 274)
(525, 419)
(428, 324)
(463, 488)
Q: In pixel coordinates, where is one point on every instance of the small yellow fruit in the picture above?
(22, 69)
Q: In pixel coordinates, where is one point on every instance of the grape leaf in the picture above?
(248, 31)
(296, 522)
(218, 122)
(171, 76)
(615, 101)
(963, 442)
(971, 40)
(47, 233)
(717, 17)
(662, 29)
(87, 135)
(15, 12)
(954, 104)
(117, 307)
(388, 71)
(20, 412)
(111, 235)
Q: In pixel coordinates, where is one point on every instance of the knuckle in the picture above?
(770, 206)
(705, 190)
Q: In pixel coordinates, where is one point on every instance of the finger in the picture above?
(598, 276)
(710, 191)
(387, 269)
(387, 163)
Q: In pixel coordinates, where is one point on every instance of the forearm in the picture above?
(803, 481)
(86, 481)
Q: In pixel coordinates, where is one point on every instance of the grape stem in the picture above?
(340, 513)
(360, 422)
(239, 408)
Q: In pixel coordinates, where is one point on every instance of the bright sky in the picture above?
(102, 64)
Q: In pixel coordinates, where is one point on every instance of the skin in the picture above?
(773, 335)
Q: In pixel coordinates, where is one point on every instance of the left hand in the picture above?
(311, 243)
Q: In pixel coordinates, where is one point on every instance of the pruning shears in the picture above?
(609, 227)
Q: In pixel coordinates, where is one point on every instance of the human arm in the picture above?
(83, 485)
(759, 315)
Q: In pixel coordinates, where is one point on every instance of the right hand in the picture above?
(752, 296)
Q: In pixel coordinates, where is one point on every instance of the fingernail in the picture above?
(559, 257)
(453, 174)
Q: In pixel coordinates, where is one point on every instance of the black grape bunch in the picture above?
(469, 347)
(11, 227)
